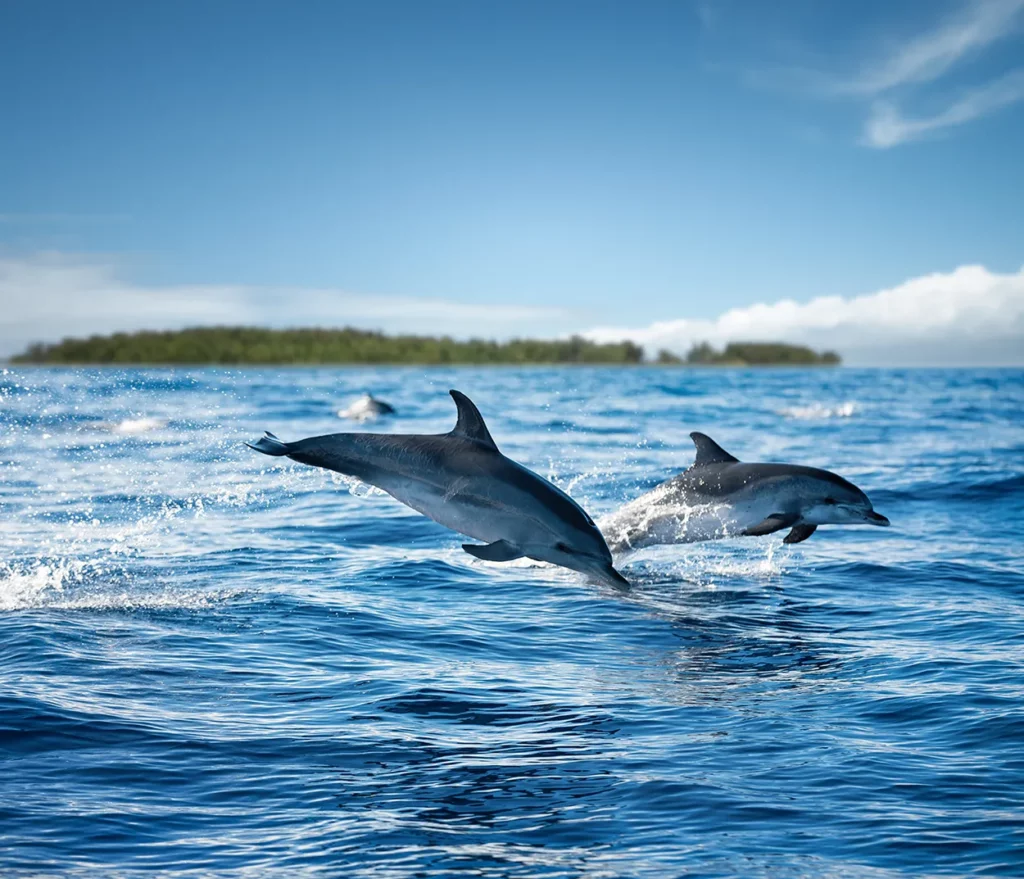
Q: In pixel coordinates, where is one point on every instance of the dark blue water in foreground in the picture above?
(217, 662)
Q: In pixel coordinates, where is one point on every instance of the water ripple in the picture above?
(216, 664)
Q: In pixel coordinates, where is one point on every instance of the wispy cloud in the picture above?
(707, 13)
(931, 67)
(967, 316)
(926, 59)
(927, 56)
(49, 296)
(887, 127)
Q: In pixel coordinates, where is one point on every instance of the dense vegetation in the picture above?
(227, 345)
(752, 354)
(254, 345)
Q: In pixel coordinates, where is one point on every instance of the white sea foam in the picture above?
(356, 487)
(91, 559)
(705, 563)
(34, 583)
(77, 584)
(816, 411)
(132, 426)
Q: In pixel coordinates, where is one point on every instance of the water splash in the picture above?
(356, 487)
(132, 426)
(81, 584)
(815, 411)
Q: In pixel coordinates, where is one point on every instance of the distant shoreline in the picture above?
(257, 346)
(645, 364)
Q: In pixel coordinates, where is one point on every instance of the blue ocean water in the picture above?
(224, 664)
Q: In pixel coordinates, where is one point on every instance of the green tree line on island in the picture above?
(254, 345)
(236, 345)
(751, 354)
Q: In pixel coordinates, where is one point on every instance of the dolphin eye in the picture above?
(561, 547)
(831, 501)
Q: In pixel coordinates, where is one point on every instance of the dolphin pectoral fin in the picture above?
(499, 551)
(775, 522)
(799, 533)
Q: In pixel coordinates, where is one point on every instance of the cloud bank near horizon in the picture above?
(50, 296)
(968, 317)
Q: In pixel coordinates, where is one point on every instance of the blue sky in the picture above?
(569, 165)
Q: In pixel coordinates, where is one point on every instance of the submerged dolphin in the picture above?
(462, 481)
(721, 497)
(366, 408)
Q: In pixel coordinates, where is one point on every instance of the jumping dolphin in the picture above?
(721, 497)
(462, 481)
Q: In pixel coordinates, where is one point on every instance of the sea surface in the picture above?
(215, 663)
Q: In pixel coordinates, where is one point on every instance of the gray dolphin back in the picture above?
(382, 407)
(354, 454)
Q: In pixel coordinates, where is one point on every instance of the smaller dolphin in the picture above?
(719, 496)
(460, 480)
(366, 408)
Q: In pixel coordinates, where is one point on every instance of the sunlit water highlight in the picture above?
(215, 662)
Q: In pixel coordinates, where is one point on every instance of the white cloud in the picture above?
(49, 296)
(967, 316)
(970, 316)
(927, 58)
(917, 70)
(929, 55)
(887, 127)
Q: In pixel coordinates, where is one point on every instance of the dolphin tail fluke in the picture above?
(269, 444)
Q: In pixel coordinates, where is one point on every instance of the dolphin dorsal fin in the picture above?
(710, 452)
(471, 422)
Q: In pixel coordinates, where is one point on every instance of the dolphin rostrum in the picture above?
(460, 480)
(719, 496)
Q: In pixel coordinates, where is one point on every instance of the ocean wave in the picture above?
(82, 584)
(217, 659)
(959, 489)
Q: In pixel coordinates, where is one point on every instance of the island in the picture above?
(750, 354)
(257, 345)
